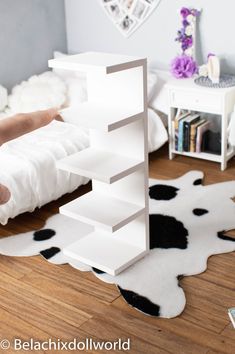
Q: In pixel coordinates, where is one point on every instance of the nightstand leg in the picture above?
(171, 133)
(224, 141)
(171, 154)
(223, 165)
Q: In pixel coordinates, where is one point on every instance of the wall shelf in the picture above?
(116, 161)
(105, 212)
(104, 63)
(96, 115)
(101, 251)
(104, 252)
(101, 165)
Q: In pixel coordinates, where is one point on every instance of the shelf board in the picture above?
(199, 155)
(101, 211)
(94, 61)
(105, 252)
(101, 165)
(206, 155)
(96, 115)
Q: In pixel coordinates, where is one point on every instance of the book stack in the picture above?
(189, 128)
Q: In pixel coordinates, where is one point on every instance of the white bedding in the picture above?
(28, 167)
(28, 164)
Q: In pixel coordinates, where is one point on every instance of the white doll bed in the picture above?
(28, 167)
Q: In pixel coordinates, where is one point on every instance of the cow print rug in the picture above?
(187, 225)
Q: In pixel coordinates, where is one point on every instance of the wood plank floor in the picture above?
(40, 300)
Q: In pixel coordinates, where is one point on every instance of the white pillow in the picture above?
(152, 84)
(76, 91)
(157, 134)
(3, 98)
(39, 92)
(75, 81)
(159, 99)
(6, 113)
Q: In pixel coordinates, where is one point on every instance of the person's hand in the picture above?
(23, 123)
(13, 127)
(41, 118)
(5, 194)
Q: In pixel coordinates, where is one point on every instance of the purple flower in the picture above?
(187, 42)
(181, 35)
(185, 12)
(185, 23)
(195, 12)
(210, 55)
(183, 67)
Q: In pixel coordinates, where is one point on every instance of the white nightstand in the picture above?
(185, 94)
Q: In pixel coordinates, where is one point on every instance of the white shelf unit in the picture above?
(116, 161)
(185, 94)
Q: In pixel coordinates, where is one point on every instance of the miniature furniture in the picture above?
(116, 161)
(185, 94)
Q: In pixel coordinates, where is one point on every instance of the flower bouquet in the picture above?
(184, 65)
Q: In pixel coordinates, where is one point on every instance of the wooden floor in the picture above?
(40, 300)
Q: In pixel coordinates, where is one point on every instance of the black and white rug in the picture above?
(187, 225)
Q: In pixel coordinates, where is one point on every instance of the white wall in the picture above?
(30, 31)
(88, 28)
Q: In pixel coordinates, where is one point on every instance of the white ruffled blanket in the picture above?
(28, 167)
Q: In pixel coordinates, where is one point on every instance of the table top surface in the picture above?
(189, 84)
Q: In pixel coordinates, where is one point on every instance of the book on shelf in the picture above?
(193, 134)
(211, 142)
(180, 115)
(231, 313)
(200, 131)
(181, 133)
(187, 131)
(192, 119)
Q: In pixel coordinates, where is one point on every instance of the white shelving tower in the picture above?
(116, 161)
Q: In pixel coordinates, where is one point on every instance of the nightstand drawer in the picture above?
(196, 100)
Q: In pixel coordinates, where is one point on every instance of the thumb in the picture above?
(44, 117)
(52, 113)
(49, 114)
(5, 194)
